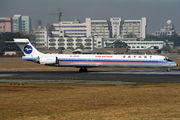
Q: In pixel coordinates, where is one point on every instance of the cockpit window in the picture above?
(167, 59)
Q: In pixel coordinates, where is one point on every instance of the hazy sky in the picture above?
(157, 11)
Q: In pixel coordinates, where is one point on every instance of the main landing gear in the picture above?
(83, 69)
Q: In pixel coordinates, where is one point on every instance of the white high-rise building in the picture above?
(98, 28)
(90, 31)
(90, 28)
(72, 29)
(116, 27)
(42, 35)
(122, 28)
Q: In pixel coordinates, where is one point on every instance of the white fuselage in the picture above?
(100, 60)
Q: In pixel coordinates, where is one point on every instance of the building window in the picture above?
(70, 40)
(70, 44)
(52, 40)
(61, 40)
(52, 48)
(70, 48)
(78, 44)
(79, 40)
(88, 44)
(87, 47)
(61, 44)
(52, 44)
(88, 40)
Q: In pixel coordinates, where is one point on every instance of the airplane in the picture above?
(84, 61)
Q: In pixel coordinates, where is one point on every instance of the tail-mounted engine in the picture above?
(48, 60)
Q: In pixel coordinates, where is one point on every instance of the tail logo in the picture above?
(28, 49)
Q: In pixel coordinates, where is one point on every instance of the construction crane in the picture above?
(59, 18)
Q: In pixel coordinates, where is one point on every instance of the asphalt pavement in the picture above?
(92, 77)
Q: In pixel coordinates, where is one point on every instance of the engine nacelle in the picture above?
(48, 60)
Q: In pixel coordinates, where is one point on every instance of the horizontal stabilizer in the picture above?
(22, 41)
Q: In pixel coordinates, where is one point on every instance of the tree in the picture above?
(119, 44)
(148, 53)
(81, 47)
(131, 35)
(166, 48)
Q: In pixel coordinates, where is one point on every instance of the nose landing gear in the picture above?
(83, 69)
(168, 70)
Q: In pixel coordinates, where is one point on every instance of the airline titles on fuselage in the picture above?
(102, 56)
(111, 56)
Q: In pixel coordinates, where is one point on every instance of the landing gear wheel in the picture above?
(83, 70)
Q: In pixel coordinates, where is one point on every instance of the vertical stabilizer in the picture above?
(27, 48)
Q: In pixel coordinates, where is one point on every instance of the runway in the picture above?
(122, 75)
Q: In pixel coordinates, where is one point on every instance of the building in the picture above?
(16, 23)
(133, 44)
(140, 45)
(108, 42)
(122, 28)
(26, 24)
(42, 35)
(90, 29)
(97, 28)
(115, 27)
(168, 30)
(70, 43)
(94, 31)
(5, 24)
(21, 24)
(73, 29)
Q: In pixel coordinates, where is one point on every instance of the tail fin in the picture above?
(27, 48)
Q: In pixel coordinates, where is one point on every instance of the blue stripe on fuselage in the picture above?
(30, 58)
(105, 60)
